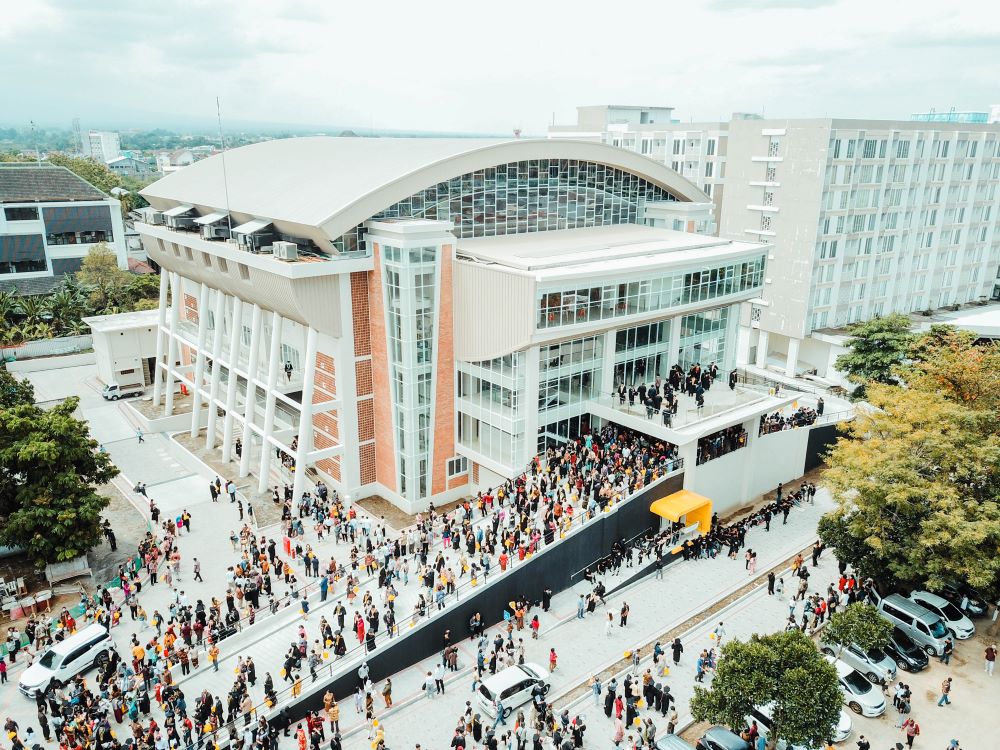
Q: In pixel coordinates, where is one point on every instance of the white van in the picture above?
(513, 686)
(64, 660)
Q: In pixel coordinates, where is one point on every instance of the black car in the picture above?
(965, 598)
(907, 654)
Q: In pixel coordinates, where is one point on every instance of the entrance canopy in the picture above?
(691, 506)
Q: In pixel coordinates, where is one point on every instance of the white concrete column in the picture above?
(235, 337)
(305, 444)
(250, 408)
(175, 311)
(273, 358)
(199, 364)
(763, 340)
(674, 352)
(743, 345)
(793, 357)
(529, 406)
(213, 388)
(347, 392)
(608, 366)
(688, 452)
(160, 325)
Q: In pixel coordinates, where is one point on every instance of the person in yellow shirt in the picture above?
(213, 656)
(297, 686)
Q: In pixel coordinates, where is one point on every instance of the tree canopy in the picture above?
(877, 348)
(49, 466)
(781, 669)
(858, 623)
(14, 392)
(917, 476)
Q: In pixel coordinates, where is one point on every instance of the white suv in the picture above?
(64, 660)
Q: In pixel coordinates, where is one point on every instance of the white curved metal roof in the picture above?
(337, 183)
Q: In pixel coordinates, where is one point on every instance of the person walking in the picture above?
(991, 658)
(912, 730)
(945, 698)
(197, 571)
(609, 625)
(677, 648)
(581, 607)
(770, 583)
(947, 650)
(213, 656)
(138, 434)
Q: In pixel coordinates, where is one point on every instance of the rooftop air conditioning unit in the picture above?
(286, 250)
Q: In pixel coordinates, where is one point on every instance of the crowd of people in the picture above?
(662, 395)
(803, 417)
(720, 443)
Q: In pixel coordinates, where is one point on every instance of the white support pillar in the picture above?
(250, 408)
(689, 453)
(793, 357)
(160, 325)
(235, 336)
(608, 366)
(762, 344)
(674, 353)
(347, 392)
(175, 311)
(305, 414)
(213, 388)
(199, 365)
(529, 405)
(273, 356)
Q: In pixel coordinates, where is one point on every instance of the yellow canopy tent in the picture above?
(691, 506)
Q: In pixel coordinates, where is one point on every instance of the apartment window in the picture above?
(828, 250)
(859, 291)
(710, 147)
(877, 309)
(21, 213)
(836, 149)
(708, 169)
(458, 465)
(881, 149)
(678, 147)
(708, 190)
(869, 149)
(768, 198)
(765, 223)
(972, 149)
(770, 175)
(676, 166)
(850, 149)
(944, 149)
(646, 146)
(772, 147)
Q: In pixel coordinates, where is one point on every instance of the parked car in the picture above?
(859, 694)
(64, 660)
(513, 686)
(720, 738)
(923, 626)
(873, 664)
(904, 650)
(762, 715)
(672, 742)
(958, 624)
(966, 598)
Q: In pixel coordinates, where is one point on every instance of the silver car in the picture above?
(874, 663)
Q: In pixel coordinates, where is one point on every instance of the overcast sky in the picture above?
(488, 66)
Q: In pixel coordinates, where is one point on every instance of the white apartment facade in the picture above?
(866, 218)
(697, 151)
(102, 145)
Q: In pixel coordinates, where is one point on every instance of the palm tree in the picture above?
(67, 306)
(34, 309)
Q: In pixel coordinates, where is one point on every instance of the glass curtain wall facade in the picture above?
(565, 305)
(642, 353)
(491, 407)
(569, 375)
(704, 338)
(526, 196)
(410, 277)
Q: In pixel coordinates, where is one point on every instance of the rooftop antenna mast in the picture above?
(225, 178)
(34, 139)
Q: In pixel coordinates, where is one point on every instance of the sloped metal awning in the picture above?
(178, 210)
(255, 225)
(211, 218)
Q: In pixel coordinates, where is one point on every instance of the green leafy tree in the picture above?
(108, 284)
(49, 466)
(858, 623)
(917, 482)
(877, 348)
(781, 669)
(14, 392)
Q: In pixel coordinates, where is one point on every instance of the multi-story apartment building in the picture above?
(50, 220)
(415, 318)
(101, 145)
(696, 151)
(866, 217)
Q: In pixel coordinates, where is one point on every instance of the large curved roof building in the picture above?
(417, 317)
